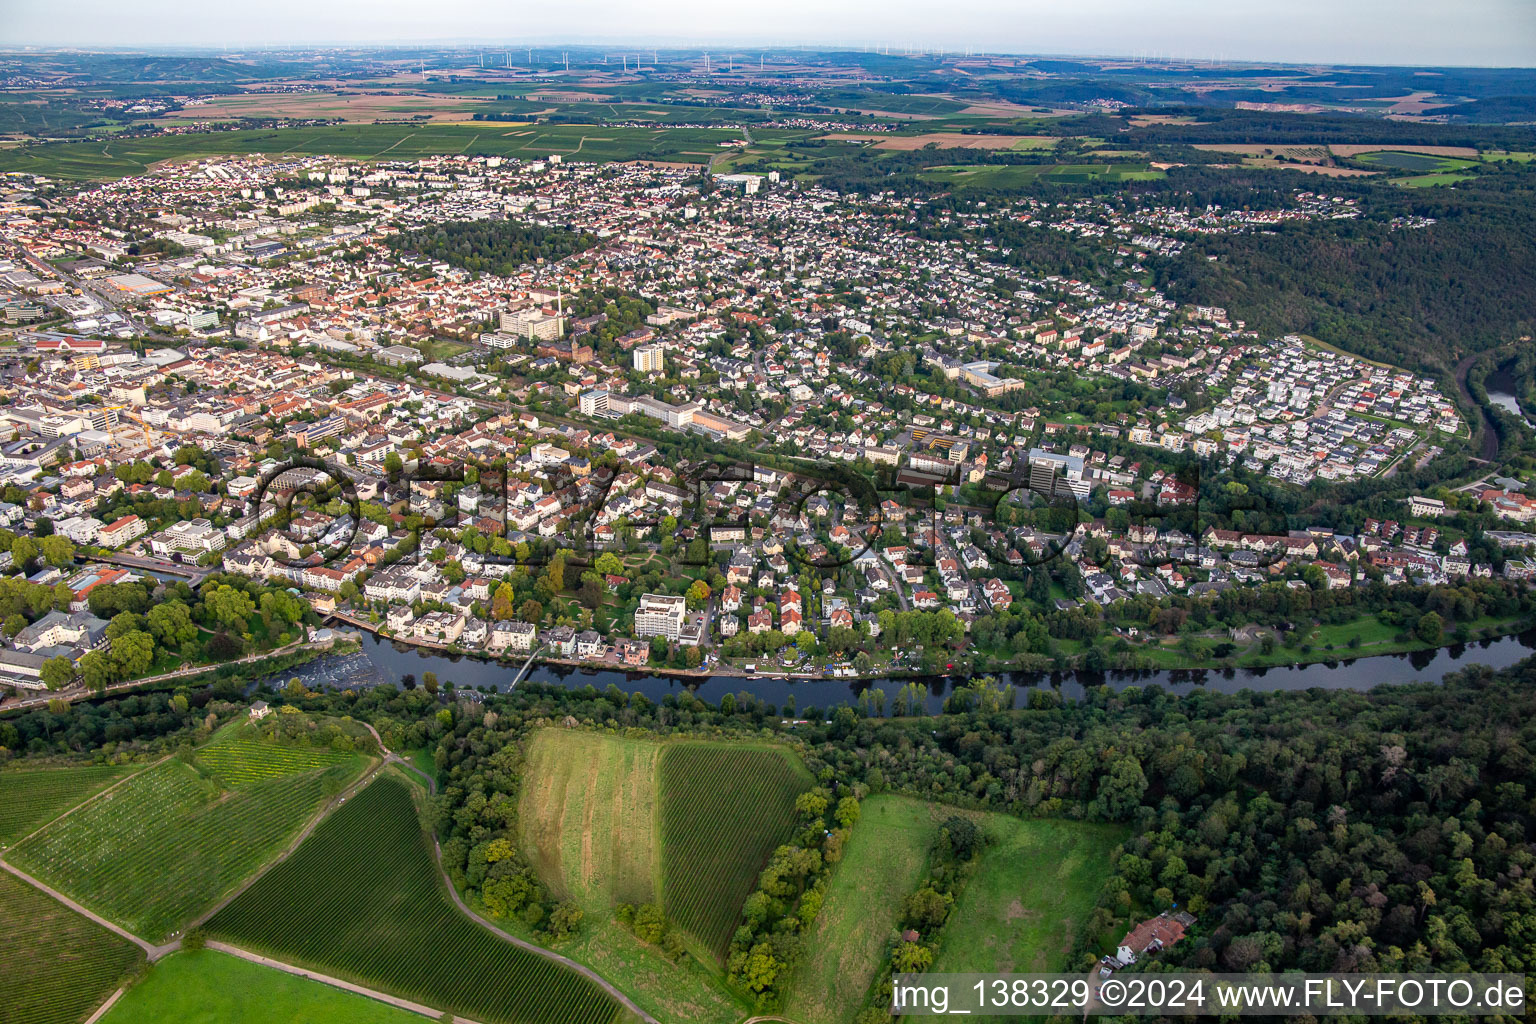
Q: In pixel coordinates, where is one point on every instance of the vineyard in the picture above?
(169, 843)
(724, 809)
(55, 966)
(238, 762)
(32, 798)
(362, 899)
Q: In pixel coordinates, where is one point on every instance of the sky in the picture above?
(1465, 32)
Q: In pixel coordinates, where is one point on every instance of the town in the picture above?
(524, 375)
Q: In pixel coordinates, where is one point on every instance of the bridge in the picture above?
(526, 666)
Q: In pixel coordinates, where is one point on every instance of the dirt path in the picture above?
(101, 1011)
(152, 951)
(564, 961)
(326, 979)
(314, 823)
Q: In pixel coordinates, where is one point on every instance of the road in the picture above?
(1489, 451)
(193, 573)
(78, 692)
(326, 979)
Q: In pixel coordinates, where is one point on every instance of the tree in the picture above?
(762, 967)
(223, 646)
(565, 919)
(608, 564)
(229, 607)
(24, 551)
(57, 551)
(58, 672)
(927, 909)
(393, 465)
(96, 670)
(530, 611)
(133, 653)
(14, 624)
(501, 602)
(171, 624)
(911, 958)
(650, 923)
(1429, 628)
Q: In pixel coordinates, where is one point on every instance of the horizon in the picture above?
(1409, 33)
(718, 49)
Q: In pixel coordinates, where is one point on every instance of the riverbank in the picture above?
(1316, 649)
(387, 664)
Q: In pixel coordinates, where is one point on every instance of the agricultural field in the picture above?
(36, 796)
(587, 817)
(723, 811)
(55, 965)
(1415, 163)
(1004, 176)
(239, 762)
(106, 159)
(1022, 909)
(362, 899)
(205, 987)
(172, 841)
(845, 950)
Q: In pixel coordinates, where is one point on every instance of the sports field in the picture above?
(55, 966)
(170, 842)
(845, 948)
(34, 797)
(204, 987)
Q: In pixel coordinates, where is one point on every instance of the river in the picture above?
(1501, 386)
(390, 662)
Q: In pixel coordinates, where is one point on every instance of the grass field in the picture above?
(169, 843)
(36, 796)
(1002, 176)
(363, 899)
(1022, 909)
(204, 987)
(883, 862)
(1431, 180)
(106, 159)
(588, 817)
(55, 966)
(723, 811)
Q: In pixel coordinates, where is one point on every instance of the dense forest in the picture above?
(492, 246)
(1417, 297)
(1327, 831)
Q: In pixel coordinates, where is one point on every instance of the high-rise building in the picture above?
(650, 358)
(660, 615)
